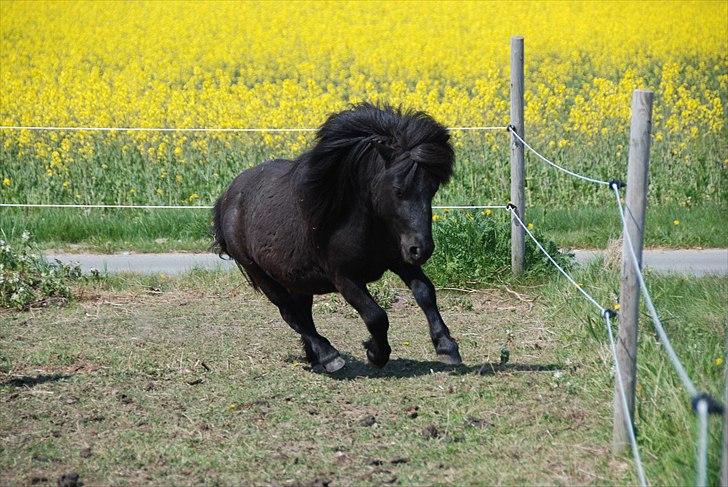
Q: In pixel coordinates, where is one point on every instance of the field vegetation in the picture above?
(247, 65)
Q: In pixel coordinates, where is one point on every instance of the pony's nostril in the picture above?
(414, 251)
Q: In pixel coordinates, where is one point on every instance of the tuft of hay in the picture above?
(613, 255)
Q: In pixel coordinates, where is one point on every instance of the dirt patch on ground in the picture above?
(185, 385)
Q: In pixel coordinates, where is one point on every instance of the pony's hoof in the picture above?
(375, 358)
(376, 365)
(334, 365)
(450, 359)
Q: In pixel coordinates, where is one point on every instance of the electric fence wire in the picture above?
(623, 399)
(679, 368)
(202, 129)
(511, 129)
(204, 207)
(38, 128)
(606, 314)
(703, 404)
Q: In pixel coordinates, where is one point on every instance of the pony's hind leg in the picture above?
(304, 303)
(357, 295)
(296, 311)
(317, 348)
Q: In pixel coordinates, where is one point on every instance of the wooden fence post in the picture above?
(629, 296)
(724, 467)
(517, 165)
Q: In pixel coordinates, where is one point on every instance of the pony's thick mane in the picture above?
(346, 156)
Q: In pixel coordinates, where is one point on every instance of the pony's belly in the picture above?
(299, 277)
(313, 284)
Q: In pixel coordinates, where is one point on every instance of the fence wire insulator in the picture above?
(714, 406)
(610, 313)
(617, 183)
(511, 206)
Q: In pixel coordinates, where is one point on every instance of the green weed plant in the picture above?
(27, 279)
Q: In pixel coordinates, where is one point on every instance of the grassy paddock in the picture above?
(196, 378)
(186, 230)
(693, 311)
(164, 381)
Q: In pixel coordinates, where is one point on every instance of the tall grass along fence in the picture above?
(631, 214)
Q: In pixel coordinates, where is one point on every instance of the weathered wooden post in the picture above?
(517, 165)
(629, 296)
(724, 467)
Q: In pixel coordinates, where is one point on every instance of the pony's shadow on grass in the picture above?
(32, 381)
(406, 368)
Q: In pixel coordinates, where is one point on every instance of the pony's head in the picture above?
(392, 161)
(402, 193)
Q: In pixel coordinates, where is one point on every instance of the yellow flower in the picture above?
(436, 218)
(530, 226)
(7, 182)
(718, 361)
(55, 159)
(193, 197)
(676, 222)
(257, 81)
(487, 212)
(66, 184)
(616, 307)
(159, 191)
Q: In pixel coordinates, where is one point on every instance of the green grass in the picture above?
(595, 227)
(150, 379)
(687, 182)
(186, 230)
(683, 171)
(170, 385)
(694, 313)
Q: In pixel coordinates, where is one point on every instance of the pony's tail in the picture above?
(218, 239)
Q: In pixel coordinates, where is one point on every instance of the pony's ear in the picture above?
(385, 151)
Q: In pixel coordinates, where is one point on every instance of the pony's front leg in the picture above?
(424, 292)
(357, 295)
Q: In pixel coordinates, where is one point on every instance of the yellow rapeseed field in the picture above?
(286, 64)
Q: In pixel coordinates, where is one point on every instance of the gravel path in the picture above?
(690, 261)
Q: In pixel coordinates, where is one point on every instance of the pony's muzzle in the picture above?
(416, 250)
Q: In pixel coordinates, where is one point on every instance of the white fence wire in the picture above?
(37, 128)
(553, 164)
(702, 403)
(606, 314)
(204, 207)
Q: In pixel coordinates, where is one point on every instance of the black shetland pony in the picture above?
(339, 216)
